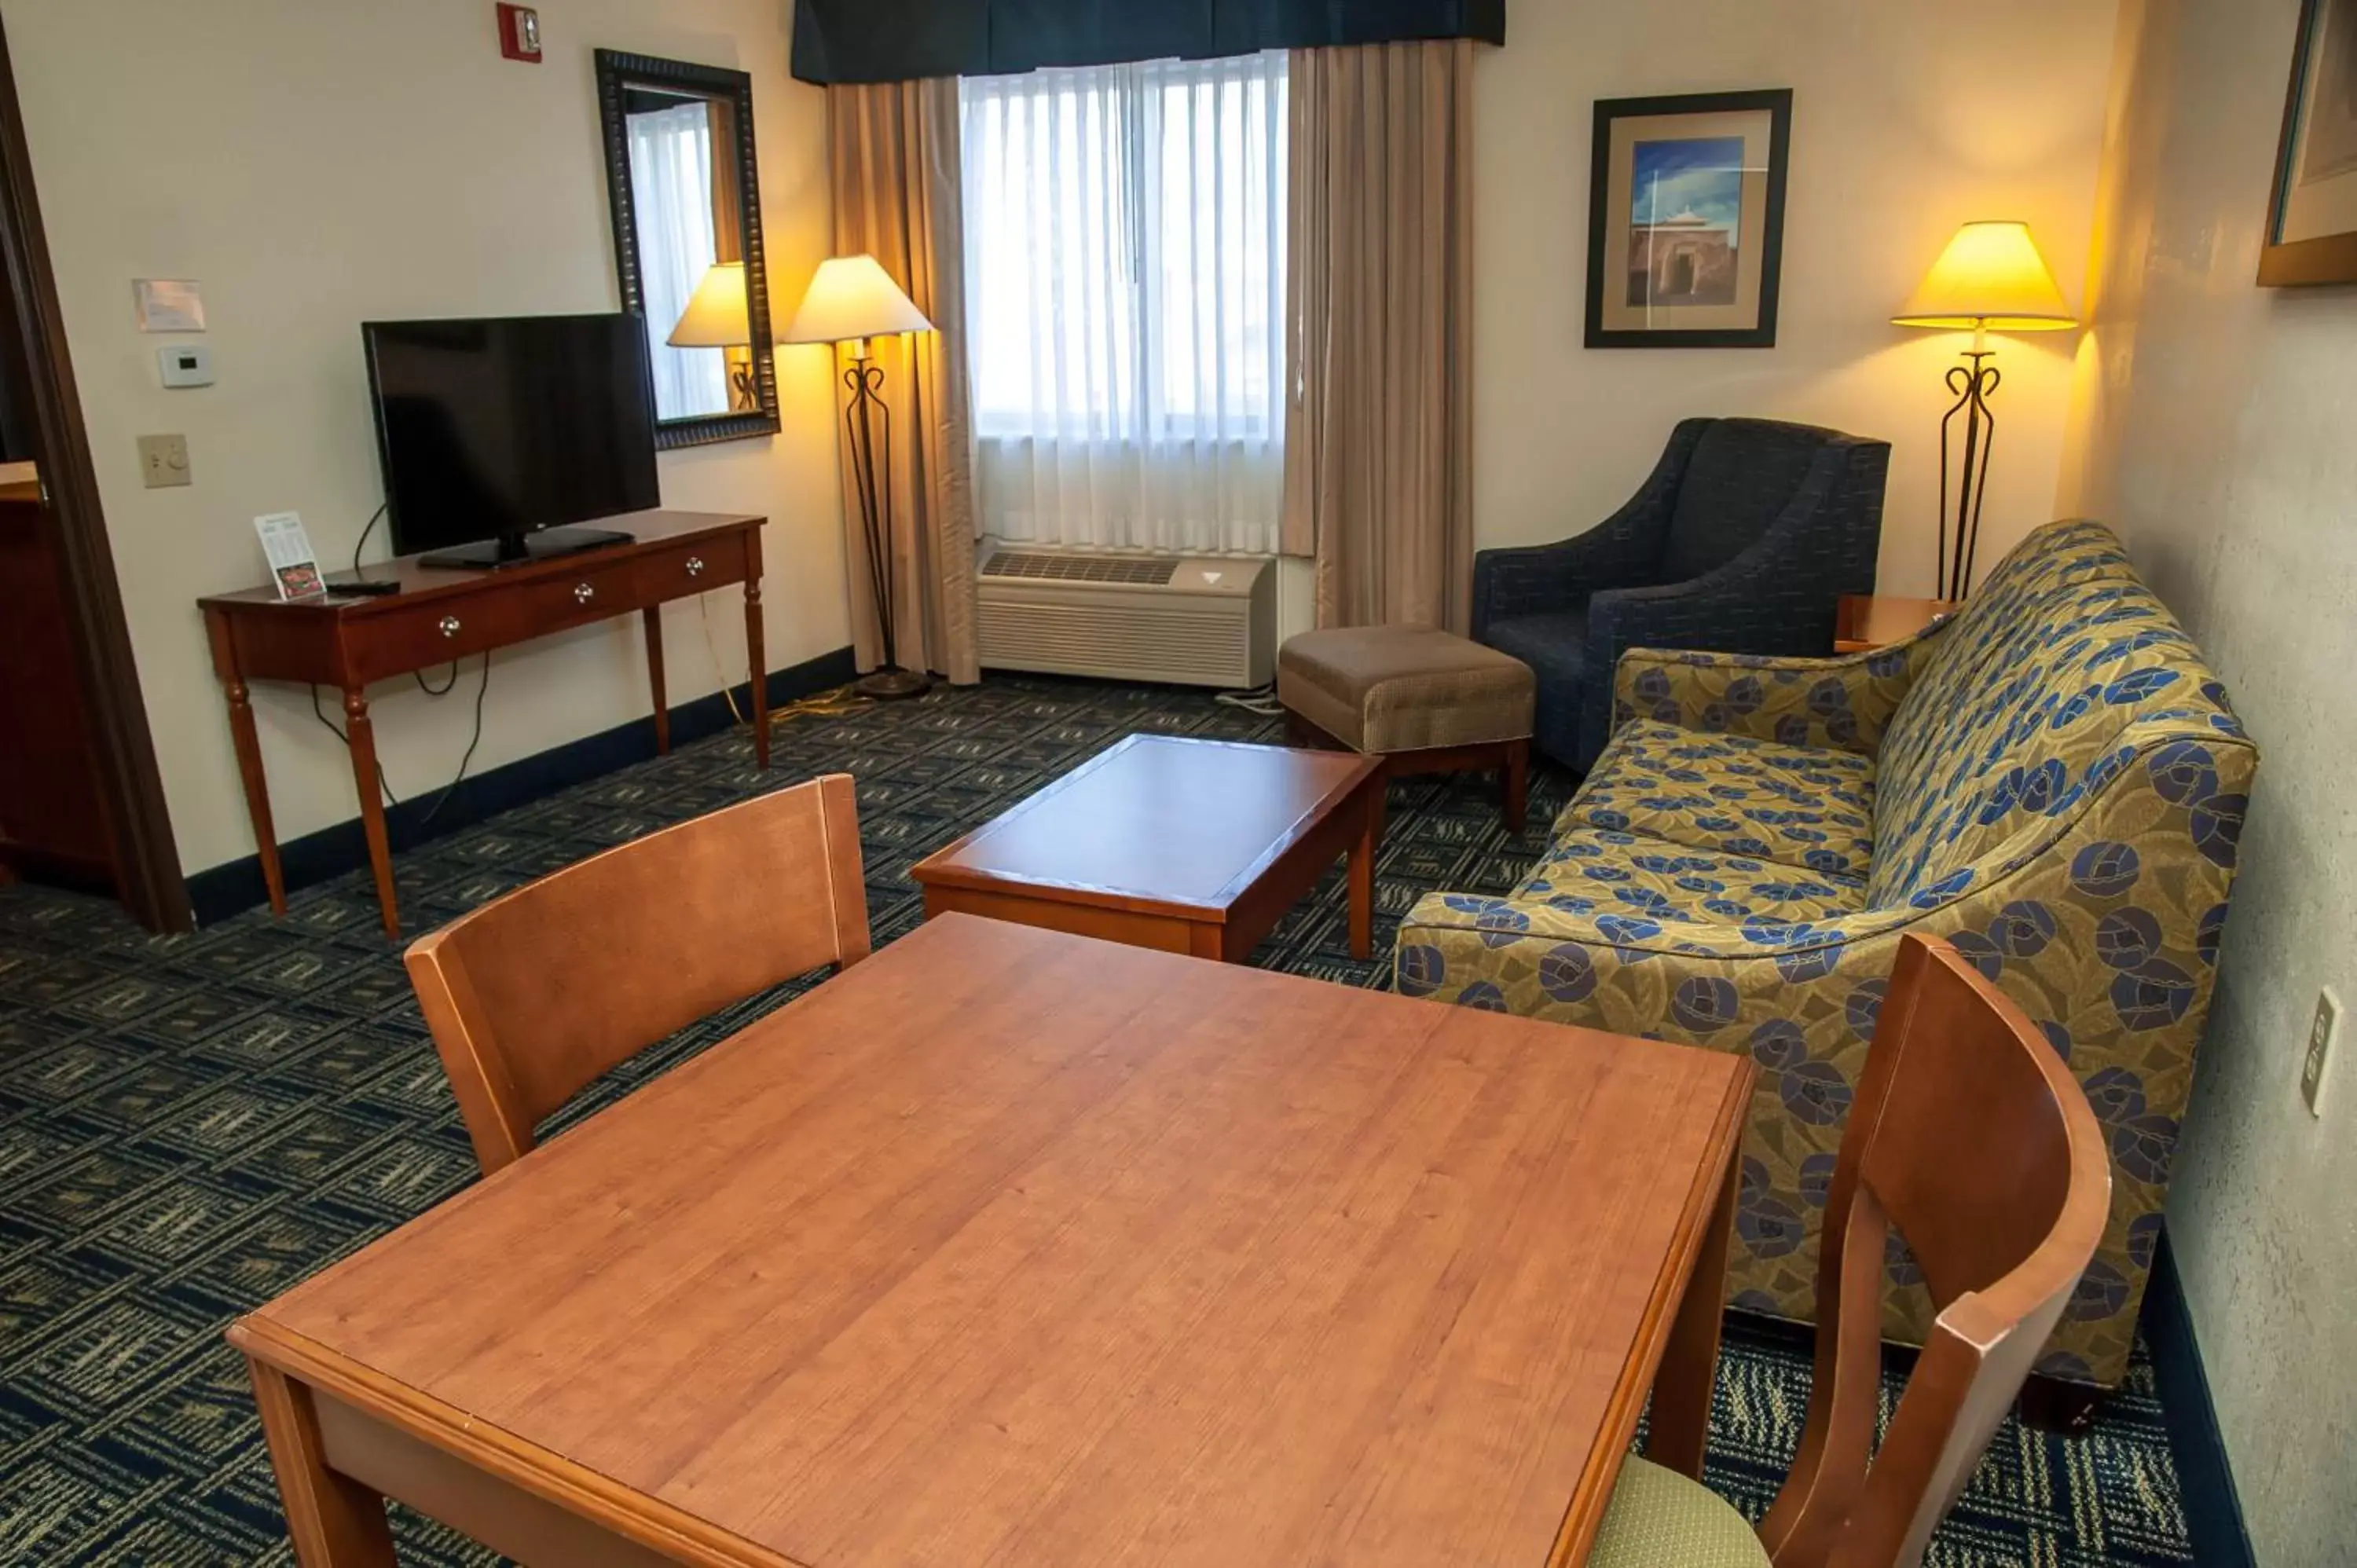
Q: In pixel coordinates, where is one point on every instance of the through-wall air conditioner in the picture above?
(1199, 620)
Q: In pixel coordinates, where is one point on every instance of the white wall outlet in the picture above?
(2320, 1034)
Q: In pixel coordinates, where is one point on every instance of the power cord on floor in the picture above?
(393, 801)
(1260, 699)
(727, 692)
(472, 742)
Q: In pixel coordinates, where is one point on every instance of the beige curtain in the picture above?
(1378, 439)
(897, 196)
(727, 212)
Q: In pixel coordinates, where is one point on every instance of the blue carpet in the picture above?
(190, 1125)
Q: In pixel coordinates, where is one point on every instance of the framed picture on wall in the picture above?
(2312, 214)
(1685, 220)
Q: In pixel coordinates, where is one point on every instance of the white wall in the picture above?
(317, 163)
(2216, 420)
(1907, 120)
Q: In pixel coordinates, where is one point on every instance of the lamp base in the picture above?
(892, 682)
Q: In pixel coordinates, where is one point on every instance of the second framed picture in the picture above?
(1685, 221)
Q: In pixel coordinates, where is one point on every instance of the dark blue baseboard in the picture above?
(224, 890)
(2213, 1512)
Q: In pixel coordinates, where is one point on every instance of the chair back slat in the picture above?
(536, 993)
(1970, 1137)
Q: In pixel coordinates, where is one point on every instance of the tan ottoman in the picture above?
(1424, 700)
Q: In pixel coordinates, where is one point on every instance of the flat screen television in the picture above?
(495, 434)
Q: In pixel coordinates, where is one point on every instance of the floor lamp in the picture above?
(851, 300)
(1989, 279)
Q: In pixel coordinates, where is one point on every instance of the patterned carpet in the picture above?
(189, 1125)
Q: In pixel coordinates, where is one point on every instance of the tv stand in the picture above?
(344, 644)
(517, 549)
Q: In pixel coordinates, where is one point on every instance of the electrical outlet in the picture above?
(163, 461)
(2321, 1032)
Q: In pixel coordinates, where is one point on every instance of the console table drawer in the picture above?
(676, 571)
(456, 626)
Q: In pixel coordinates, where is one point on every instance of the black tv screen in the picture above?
(498, 428)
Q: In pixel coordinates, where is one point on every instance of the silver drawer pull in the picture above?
(449, 626)
(583, 594)
(696, 565)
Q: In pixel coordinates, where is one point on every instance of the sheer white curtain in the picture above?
(671, 190)
(1126, 302)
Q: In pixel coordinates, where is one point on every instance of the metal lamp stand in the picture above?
(1972, 384)
(861, 418)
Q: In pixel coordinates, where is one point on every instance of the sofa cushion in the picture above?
(1803, 806)
(1743, 475)
(1635, 887)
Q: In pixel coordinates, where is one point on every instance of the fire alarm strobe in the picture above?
(520, 33)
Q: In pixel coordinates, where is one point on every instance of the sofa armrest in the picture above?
(1622, 549)
(1846, 702)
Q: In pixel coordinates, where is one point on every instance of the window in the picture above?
(1124, 253)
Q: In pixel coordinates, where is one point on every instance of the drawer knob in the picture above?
(449, 626)
(583, 593)
(696, 565)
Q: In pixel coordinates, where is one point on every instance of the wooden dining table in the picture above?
(1011, 1247)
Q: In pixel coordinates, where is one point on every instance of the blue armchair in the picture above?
(1746, 532)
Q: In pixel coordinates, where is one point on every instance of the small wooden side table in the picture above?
(1864, 622)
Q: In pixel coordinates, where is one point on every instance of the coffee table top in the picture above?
(1156, 823)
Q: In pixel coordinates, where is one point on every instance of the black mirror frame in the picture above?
(616, 71)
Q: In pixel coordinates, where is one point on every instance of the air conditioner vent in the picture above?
(1061, 566)
(1207, 620)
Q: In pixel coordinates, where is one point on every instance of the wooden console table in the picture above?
(439, 616)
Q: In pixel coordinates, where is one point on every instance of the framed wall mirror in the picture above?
(687, 241)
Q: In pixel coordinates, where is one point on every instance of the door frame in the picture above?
(147, 860)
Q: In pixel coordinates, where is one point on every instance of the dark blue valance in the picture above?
(901, 41)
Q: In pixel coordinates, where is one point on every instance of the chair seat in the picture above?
(1658, 1518)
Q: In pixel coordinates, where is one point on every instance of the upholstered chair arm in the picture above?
(1622, 549)
(1775, 595)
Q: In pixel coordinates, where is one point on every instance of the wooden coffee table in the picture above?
(1190, 846)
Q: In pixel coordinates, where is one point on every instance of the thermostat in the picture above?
(187, 365)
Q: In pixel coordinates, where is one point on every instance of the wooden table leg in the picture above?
(248, 747)
(1679, 1428)
(335, 1522)
(1514, 782)
(1362, 871)
(754, 657)
(258, 792)
(360, 736)
(653, 617)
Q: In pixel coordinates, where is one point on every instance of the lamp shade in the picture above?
(1990, 276)
(853, 298)
(715, 317)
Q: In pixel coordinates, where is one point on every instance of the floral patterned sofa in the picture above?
(2053, 781)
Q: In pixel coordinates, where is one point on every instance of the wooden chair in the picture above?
(534, 994)
(1972, 1137)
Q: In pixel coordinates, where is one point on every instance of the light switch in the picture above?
(163, 461)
